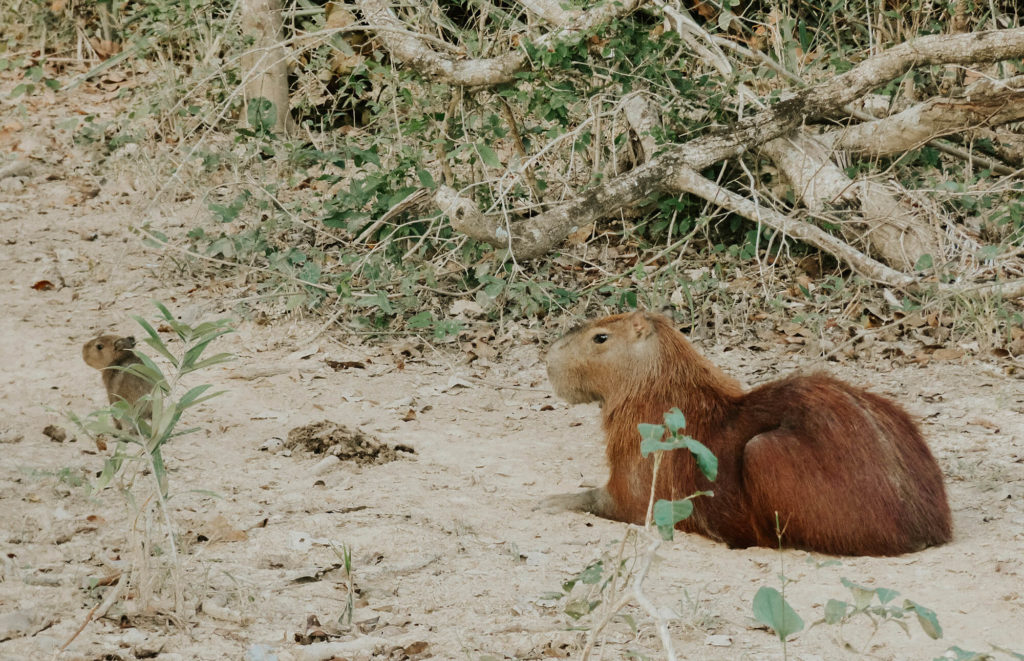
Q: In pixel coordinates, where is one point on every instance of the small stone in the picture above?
(718, 640)
(272, 444)
(325, 465)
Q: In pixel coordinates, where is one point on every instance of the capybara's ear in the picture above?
(125, 343)
(641, 324)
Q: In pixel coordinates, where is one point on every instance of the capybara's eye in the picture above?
(600, 338)
(99, 347)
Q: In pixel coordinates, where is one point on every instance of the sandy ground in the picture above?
(449, 559)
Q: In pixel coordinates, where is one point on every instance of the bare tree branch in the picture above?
(415, 53)
(551, 11)
(890, 227)
(689, 181)
(534, 237)
(986, 104)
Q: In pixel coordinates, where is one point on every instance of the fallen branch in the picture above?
(982, 105)
(889, 226)
(414, 52)
(687, 180)
(536, 236)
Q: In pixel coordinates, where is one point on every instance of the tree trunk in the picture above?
(265, 64)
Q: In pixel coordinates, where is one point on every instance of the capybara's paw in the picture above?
(563, 502)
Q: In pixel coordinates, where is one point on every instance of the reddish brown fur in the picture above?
(847, 471)
(108, 351)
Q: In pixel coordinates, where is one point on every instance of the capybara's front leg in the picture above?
(596, 501)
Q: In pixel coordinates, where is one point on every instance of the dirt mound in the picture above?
(330, 438)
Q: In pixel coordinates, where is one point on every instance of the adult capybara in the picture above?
(846, 471)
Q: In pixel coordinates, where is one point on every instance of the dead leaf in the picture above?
(314, 632)
(302, 354)
(43, 285)
(109, 579)
(218, 529)
(468, 309)
(581, 235)
(947, 354)
(456, 382)
(478, 349)
(789, 328)
(892, 300)
(414, 649)
(338, 365)
(987, 424)
(368, 625)
(104, 47)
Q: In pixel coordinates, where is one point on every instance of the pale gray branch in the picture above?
(689, 181)
(414, 52)
(551, 11)
(534, 237)
(892, 228)
(982, 105)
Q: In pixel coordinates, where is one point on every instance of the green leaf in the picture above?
(885, 595)
(214, 360)
(159, 471)
(1010, 653)
(924, 262)
(675, 420)
(965, 655)
(651, 445)
(926, 618)
(650, 439)
(771, 609)
(707, 462)
(577, 608)
(148, 371)
(862, 596)
(110, 468)
(667, 513)
(180, 329)
(261, 114)
(487, 155)
(426, 180)
(835, 611)
(421, 320)
(154, 340)
(188, 362)
(189, 398)
(592, 574)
